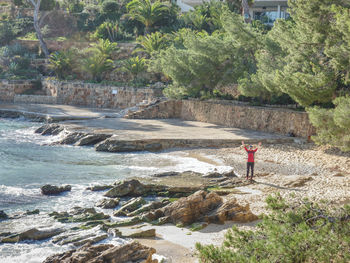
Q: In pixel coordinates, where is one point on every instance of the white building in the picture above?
(267, 11)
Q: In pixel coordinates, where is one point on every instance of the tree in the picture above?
(147, 12)
(206, 61)
(151, 43)
(36, 5)
(300, 231)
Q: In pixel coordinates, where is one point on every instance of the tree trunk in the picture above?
(43, 45)
(245, 11)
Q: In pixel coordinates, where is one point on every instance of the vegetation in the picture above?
(301, 231)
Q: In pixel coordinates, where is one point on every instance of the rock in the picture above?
(108, 203)
(33, 212)
(32, 234)
(165, 174)
(54, 190)
(3, 215)
(142, 234)
(50, 129)
(134, 188)
(299, 182)
(149, 207)
(191, 209)
(72, 138)
(92, 139)
(338, 175)
(201, 206)
(230, 210)
(99, 187)
(130, 206)
(128, 222)
(104, 253)
(92, 240)
(78, 214)
(216, 174)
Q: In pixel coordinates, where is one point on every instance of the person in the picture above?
(250, 161)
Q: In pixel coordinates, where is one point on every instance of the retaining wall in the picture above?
(9, 88)
(98, 96)
(226, 113)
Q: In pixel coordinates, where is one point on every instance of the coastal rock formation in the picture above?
(149, 207)
(130, 206)
(108, 203)
(134, 188)
(92, 139)
(54, 190)
(79, 238)
(149, 233)
(202, 206)
(99, 187)
(79, 214)
(3, 215)
(50, 129)
(32, 234)
(105, 253)
(299, 182)
(71, 138)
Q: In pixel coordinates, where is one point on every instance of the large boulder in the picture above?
(32, 234)
(54, 190)
(72, 138)
(105, 253)
(99, 187)
(201, 206)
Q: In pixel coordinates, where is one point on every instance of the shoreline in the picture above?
(280, 168)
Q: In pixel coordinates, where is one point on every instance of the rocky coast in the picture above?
(160, 217)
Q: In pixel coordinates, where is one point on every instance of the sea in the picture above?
(29, 161)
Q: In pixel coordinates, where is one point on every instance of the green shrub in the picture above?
(299, 232)
(47, 5)
(136, 67)
(6, 34)
(97, 66)
(112, 31)
(61, 62)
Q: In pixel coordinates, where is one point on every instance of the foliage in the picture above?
(96, 66)
(6, 34)
(151, 43)
(112, 31)
(97, 60)
(15, 63)
(135, 67)
(333, 125)
(62, 62)
(206, 61)
(299, 232)
(47, 5)
(206, 16)
(147, 12)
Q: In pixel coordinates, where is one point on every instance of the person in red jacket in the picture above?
(250, 161)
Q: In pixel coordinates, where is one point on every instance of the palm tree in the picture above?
(147, 12)
(151, 43)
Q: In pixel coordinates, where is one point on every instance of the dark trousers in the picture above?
(251, 167)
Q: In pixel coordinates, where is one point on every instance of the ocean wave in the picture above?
(10, 195)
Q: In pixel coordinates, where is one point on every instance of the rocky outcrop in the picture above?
(79, 238)
(50, 129)
(54, 190)
(105, 253)
(149, 233)
(149, 207)
(78, 214)
(99, 187)
(3, 215)
(202, 206)
(134, 188)
(130, 206)
(71, 138)
(92, 139)
(32, 234)
(108, 203)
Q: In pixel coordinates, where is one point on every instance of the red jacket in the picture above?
(250, 154)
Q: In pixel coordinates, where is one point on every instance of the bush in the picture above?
(6, 34)
(112, 31)
(136, 68)
(298, 232)
(47, 5)
(61, 62)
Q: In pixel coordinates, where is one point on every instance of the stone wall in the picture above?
(99, 96)
(35, 99)
(9, 88)
(266, 119)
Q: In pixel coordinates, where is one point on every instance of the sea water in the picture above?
(28, 161)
